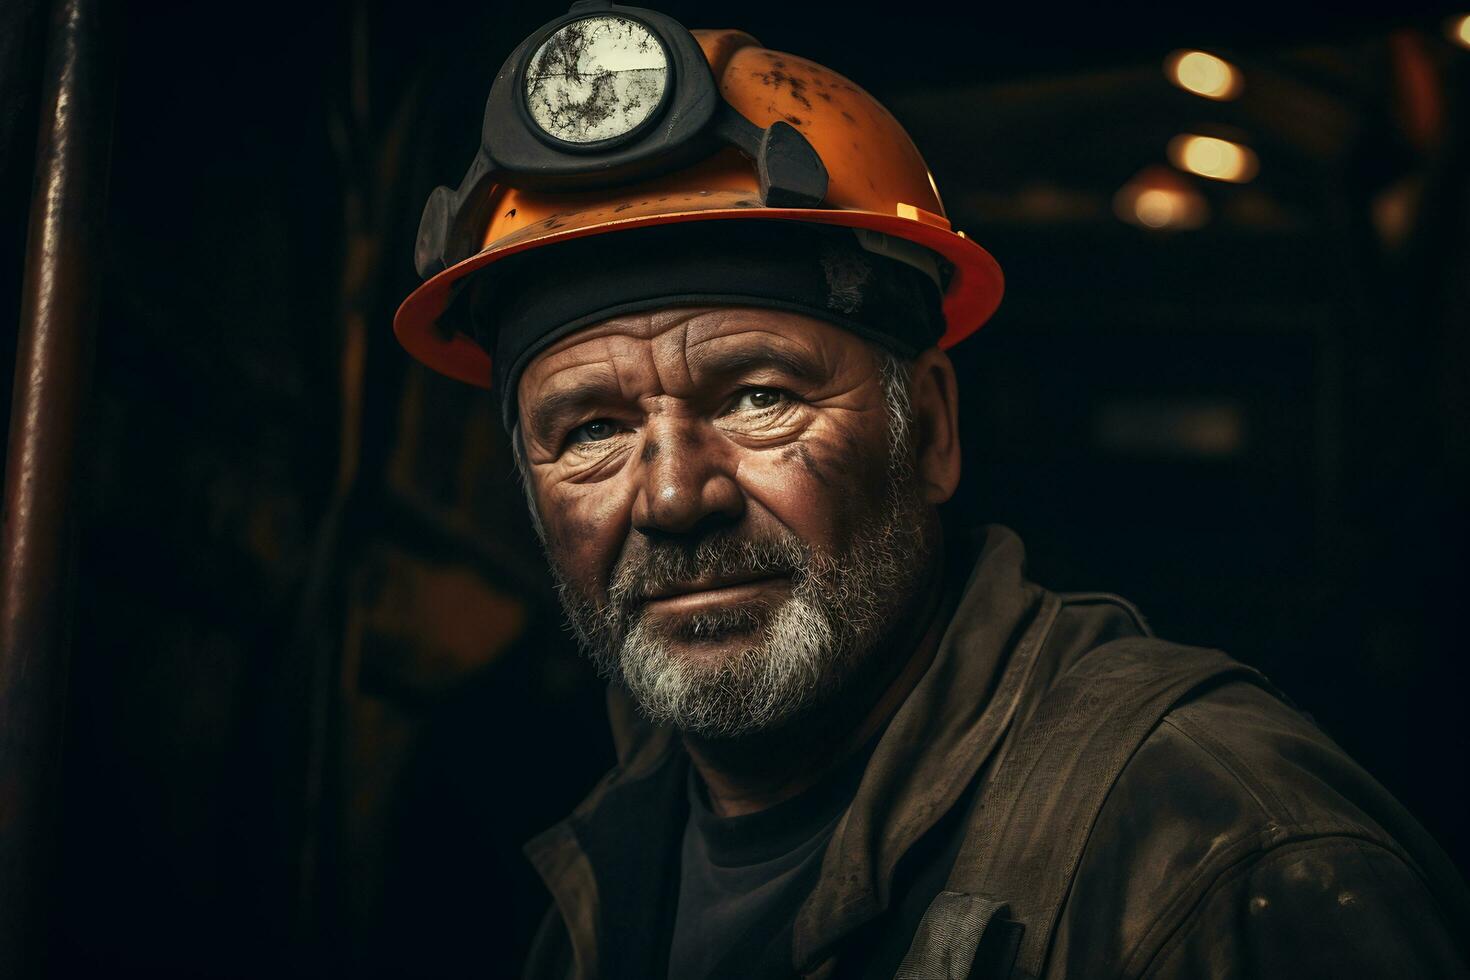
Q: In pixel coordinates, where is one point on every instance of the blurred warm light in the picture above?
(1203, 74)
(1160, 200)
(1200, 427)
(1394, 208)
(1211, 157)
(1460, 30)
(1158, 208)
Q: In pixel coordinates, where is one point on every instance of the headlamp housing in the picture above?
(602, 96)
(525, 153)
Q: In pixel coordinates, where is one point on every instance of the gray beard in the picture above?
(800, 650)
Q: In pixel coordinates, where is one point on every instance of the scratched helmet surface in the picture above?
(876, 180)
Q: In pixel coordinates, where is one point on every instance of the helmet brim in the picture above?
(974, 291)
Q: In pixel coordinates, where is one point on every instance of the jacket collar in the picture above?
(934, 746)
(931, 751)
(611, 866)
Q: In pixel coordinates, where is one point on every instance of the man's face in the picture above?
(728, 506)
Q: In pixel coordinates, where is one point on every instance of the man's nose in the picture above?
(686, 479)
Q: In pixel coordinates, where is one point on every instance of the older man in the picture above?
(711, 283)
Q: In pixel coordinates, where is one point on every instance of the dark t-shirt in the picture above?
(742, 879)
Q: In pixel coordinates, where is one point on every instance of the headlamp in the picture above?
(597, 81)
(602, 96)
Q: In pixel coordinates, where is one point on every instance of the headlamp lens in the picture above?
(596, 79)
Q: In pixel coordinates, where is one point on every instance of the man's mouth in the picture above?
(708, 592)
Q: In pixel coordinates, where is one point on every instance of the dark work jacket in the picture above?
(1238, 841)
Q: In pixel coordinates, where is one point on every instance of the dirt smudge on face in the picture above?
(800, 453)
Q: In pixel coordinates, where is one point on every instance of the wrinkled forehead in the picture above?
(690, 321)
(694, 335)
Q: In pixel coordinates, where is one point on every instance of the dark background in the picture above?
(320, 692)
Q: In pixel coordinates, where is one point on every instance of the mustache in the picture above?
(657, 566)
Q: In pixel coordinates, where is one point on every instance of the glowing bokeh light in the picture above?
(1158, 208)
(1203, 74)
(1161, 200)
(1211, 157)
(1460, 30)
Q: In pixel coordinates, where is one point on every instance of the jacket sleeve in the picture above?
(1324, 907)
(550, 956)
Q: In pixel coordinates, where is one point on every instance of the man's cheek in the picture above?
(812, 486)
(581, 536)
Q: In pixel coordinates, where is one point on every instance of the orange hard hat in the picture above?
(876, 180)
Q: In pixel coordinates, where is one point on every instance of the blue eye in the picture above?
(595, 431)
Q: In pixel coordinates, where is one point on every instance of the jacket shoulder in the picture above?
(1330, 906)
(1285, 770)
(1226, 788)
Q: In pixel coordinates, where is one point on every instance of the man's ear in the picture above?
(934, 396)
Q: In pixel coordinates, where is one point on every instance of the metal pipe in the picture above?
(52, 380)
